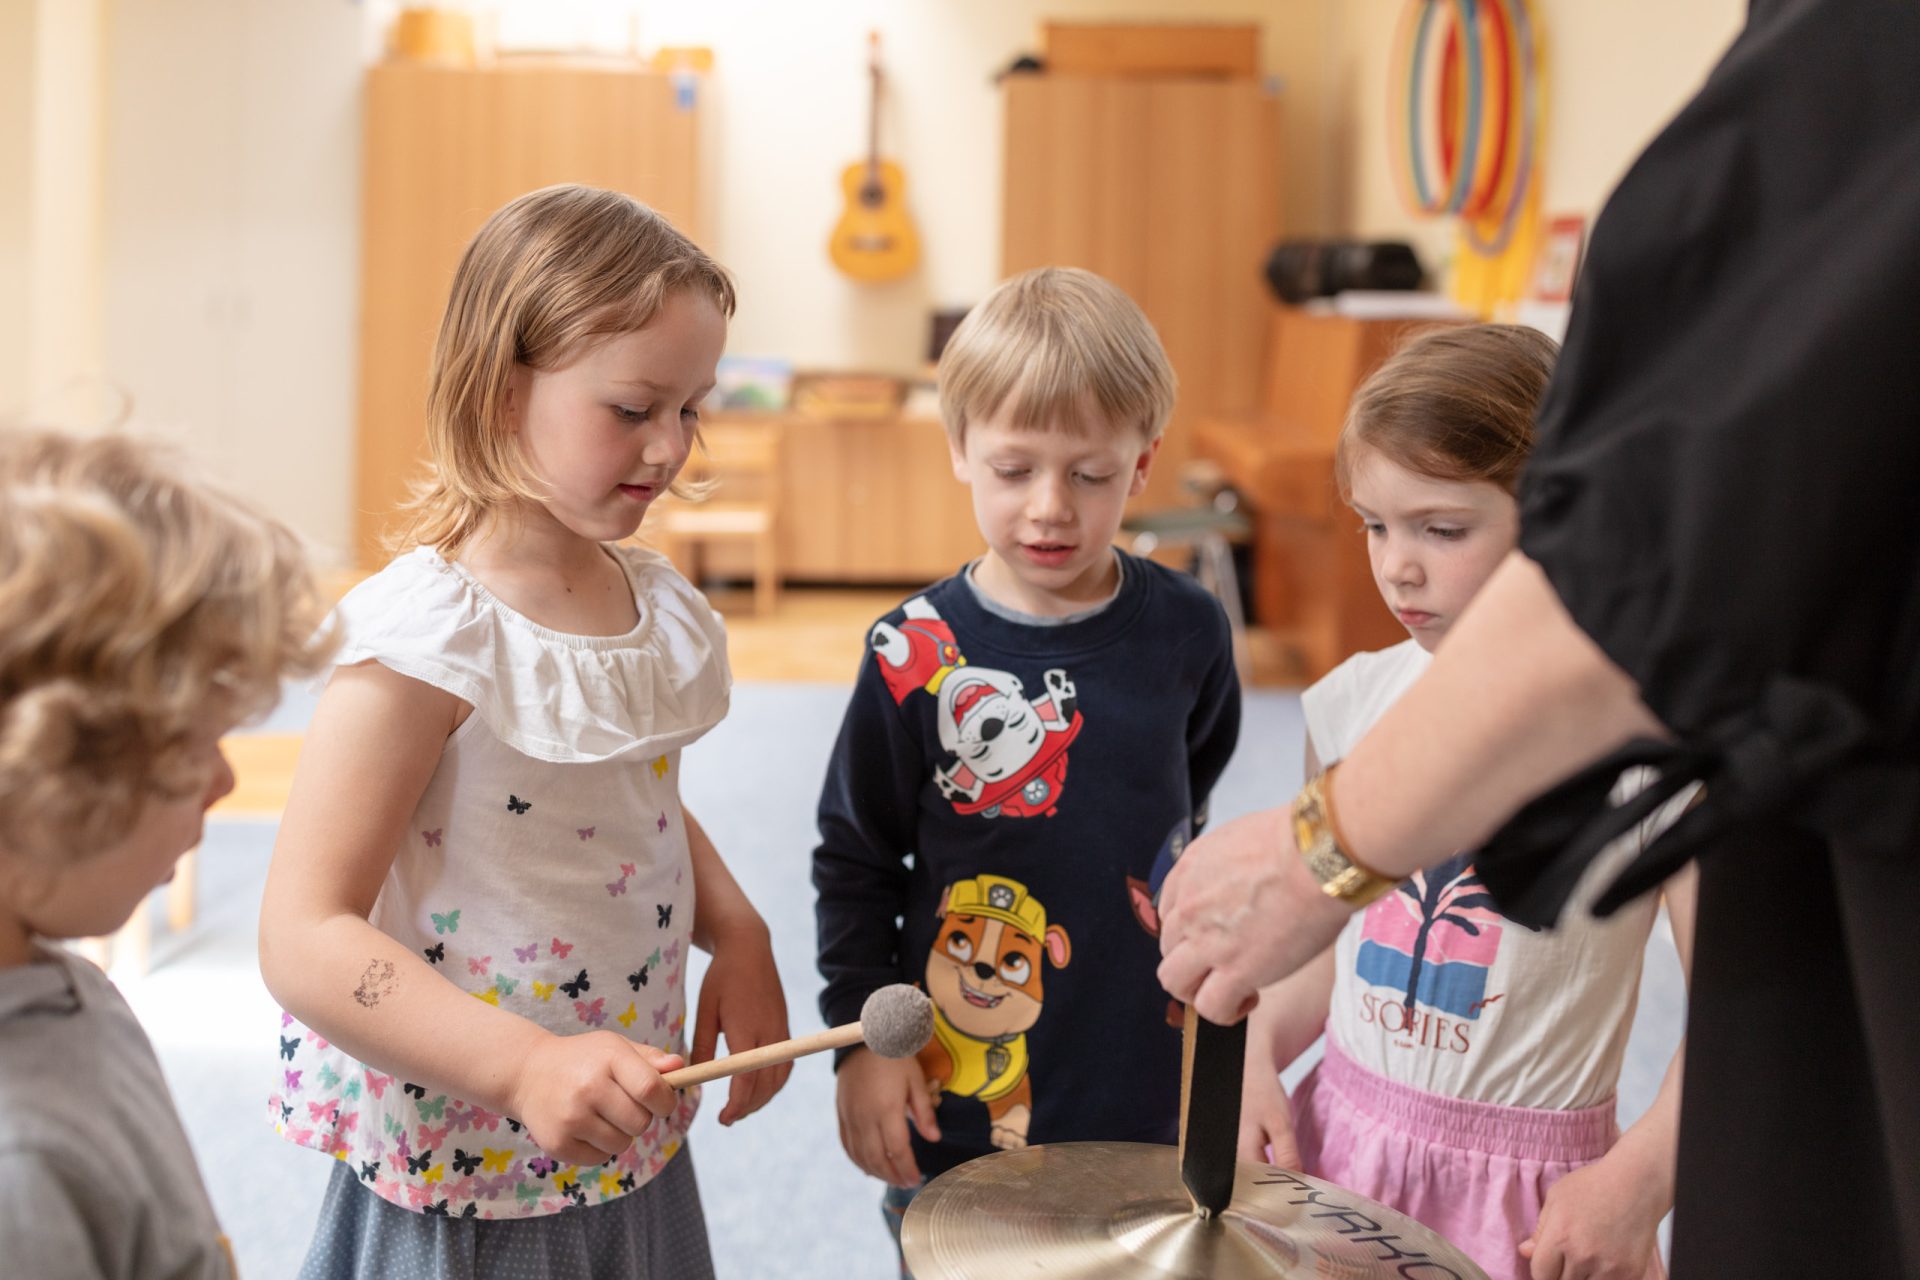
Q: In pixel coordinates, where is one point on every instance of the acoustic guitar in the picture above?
(874, 240)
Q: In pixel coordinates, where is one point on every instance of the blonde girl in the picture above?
(485, 888)
(1470, 1061)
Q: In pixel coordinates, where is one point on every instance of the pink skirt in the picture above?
(1475, 1172)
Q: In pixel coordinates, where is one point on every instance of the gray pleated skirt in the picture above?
(657, 1232)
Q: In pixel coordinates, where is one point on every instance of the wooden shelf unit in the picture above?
(445, 147)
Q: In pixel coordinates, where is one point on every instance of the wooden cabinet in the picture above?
(444, 148)
(865, 501)
(1169, 187)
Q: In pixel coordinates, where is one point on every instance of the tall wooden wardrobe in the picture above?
(443, 149)
(1170, 187)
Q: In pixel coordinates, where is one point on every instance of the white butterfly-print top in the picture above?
(545, 871)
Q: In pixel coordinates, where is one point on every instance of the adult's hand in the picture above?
(1240, 911)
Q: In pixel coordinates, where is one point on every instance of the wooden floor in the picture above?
(818, 635)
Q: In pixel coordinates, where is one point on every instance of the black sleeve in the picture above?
(1213, 730)
(1722, 489)
(867, 820)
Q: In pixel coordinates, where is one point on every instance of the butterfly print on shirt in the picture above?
(665, 912)
(517, 805)
(577, 987)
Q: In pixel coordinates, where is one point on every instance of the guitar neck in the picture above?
(873, 111)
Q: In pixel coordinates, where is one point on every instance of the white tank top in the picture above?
(544, 871)
(1435, 989)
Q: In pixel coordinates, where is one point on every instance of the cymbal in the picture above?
(1118, 1211)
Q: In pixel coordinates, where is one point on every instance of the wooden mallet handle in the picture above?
(767, 1055)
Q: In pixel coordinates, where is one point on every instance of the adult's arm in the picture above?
(1517, 699)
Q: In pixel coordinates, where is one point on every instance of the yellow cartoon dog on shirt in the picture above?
(984, 977)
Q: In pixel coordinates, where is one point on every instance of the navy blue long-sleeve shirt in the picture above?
(1001, 807)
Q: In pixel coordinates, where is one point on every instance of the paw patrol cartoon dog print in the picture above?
(1007, 753)
(983, 974)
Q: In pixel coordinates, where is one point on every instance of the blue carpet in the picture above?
(781, 1199)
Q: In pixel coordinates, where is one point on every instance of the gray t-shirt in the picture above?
(96, 1177)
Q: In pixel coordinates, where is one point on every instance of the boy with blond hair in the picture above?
(141, 617)
(958, 849)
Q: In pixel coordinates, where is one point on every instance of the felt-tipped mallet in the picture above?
(895, 1022)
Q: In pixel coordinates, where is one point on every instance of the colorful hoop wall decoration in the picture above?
(1465, 119)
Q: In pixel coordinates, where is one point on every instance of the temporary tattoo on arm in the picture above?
(379, 980)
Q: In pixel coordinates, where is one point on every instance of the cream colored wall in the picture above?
(1616, 73)
(231, 241)
(50, 152)
(17, 20)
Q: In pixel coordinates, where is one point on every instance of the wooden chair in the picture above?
(742, 462)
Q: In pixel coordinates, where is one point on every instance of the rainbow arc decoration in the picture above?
(1466, 117)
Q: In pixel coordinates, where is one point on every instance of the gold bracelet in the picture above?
(1332, 867)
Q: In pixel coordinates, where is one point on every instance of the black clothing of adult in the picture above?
(1723, 496)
